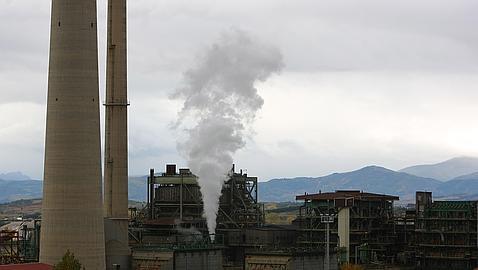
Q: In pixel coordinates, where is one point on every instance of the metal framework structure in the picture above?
(405, 229)
(239, 207)
(20, 246)
(446, 233)
(174, 212)
(9, 247)
(174, 201)
(372, 235)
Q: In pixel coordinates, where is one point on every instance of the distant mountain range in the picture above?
(14, 176)
(16, 190)
(32, 189)
(455, 179)
(371, 179)
(446, 170)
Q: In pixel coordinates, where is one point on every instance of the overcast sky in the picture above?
(391, 83)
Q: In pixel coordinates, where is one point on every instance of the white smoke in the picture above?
(220, 101)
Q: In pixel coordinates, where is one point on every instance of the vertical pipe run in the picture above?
(150, 192)
(255, 191)
(181, 199)
(327, 247)
(356, 254)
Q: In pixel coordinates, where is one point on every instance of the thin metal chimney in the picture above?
(116, 139)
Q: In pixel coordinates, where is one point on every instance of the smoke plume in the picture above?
(220, 103)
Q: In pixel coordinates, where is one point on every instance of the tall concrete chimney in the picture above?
(72, 213)
(116, 140)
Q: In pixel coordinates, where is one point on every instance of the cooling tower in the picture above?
(116, 140)
(72, 214)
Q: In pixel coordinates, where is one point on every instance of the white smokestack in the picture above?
(220, 101)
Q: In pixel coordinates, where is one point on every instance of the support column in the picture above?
(344, 231)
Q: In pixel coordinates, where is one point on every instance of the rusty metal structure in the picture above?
(446, 233)
(9, 247)
(19, 243)
(368, 226)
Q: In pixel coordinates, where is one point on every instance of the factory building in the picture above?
(446, 233)
(405, 231)
(172, 226)
(287, 261)
(265, 239)
(174, 200)
(360, 224)
(192, 255)
(171, 233)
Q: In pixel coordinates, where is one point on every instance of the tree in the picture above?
(69, 262)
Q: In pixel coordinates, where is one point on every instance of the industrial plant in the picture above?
(331, 229)
(93, 221)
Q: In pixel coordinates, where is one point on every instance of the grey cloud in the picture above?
(335, 40)
(321, 35)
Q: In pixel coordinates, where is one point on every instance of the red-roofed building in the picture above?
(26, 266)
(347, 194)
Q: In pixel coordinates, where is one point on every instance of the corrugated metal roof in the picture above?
(27, 266)
(17, 225)
(453, 205)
